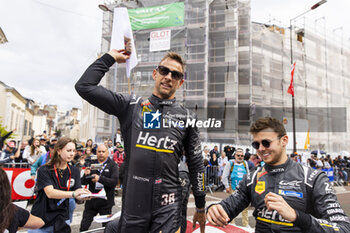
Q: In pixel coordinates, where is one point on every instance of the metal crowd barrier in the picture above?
(212, 178)
(339, 177)
(15, 165)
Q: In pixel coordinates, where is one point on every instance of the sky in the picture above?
(52, 42)
(280, 12)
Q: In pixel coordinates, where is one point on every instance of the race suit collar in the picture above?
(156, 101)
(278, 168)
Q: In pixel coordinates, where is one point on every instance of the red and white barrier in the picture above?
(21, 183)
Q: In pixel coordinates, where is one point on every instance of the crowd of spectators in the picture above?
(41, 150)
(215, 161)
(35, 152)
(340, 164)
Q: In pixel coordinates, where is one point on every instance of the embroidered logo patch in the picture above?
(290, 193)
(260, 187)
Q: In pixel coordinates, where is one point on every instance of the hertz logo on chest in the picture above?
(163, 144)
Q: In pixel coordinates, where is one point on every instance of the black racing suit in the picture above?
(185, 183)
(306, 190)
(152, 190)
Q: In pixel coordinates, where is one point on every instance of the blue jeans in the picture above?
(72, 206)
(345, 174)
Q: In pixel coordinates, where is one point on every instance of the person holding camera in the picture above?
(105, 177)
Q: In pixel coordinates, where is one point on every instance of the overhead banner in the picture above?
(159, 40)
(169, 15)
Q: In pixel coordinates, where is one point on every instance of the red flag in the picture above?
(291, 87)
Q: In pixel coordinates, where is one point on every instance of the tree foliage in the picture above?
(3, 130)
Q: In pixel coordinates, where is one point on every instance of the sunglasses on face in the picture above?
(265, 142)
(174, 74)
(239, 156)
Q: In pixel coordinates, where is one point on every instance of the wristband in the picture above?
(73, 195)
(200, 210)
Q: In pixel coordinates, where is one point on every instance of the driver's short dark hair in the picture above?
(268, 122)
(176, 57)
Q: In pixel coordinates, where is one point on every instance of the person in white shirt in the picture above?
(222, 160)
(34, 151)
(319, 164)
(326, 164)
(205, 153)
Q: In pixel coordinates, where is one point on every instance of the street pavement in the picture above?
(343, 194)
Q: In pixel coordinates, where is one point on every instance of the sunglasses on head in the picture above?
(174, 74)
(265, 142)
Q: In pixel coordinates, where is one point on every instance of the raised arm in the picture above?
(88, 88)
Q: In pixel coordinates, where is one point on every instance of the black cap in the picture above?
(80, 147)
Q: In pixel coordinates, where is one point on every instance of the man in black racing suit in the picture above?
(151, 188)
(287, 196)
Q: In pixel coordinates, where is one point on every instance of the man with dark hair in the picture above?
(151, 188)
(215, 150)
(247, 154)
(287, 196)
(229, 152)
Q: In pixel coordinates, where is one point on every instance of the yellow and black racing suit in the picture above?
(155, 138)
(306, 190)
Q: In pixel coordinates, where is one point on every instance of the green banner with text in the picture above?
(169, 15)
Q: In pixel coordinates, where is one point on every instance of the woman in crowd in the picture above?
(90, 143)
(57, 182)
(34, 151)
(214, 160)
(12, 216)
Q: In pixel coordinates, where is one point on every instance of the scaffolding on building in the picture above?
(237, 70)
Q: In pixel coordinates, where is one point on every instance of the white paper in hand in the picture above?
(122, 36)
(101, 194)
(106, 218)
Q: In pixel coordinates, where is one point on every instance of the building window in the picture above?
(30, 131)
(25, 127)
